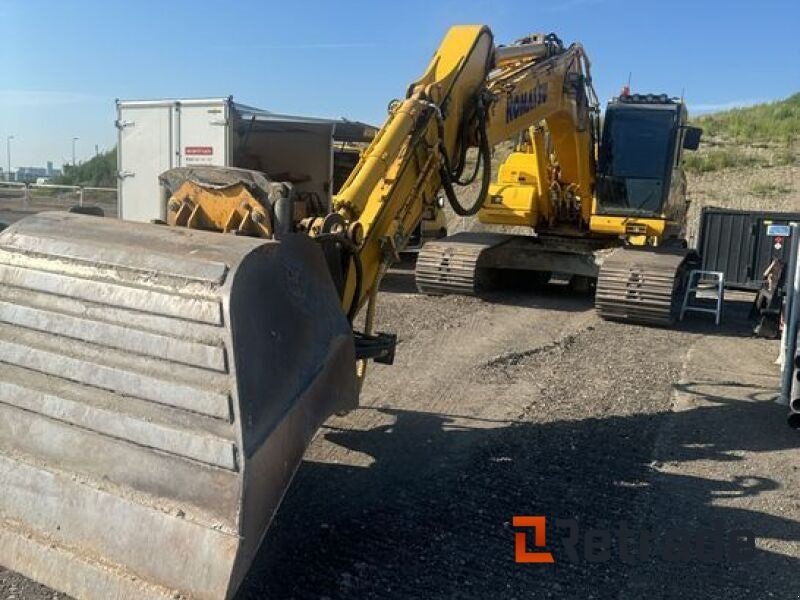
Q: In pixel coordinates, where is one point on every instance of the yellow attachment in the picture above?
(513, 200)
(637, 231)
(230, 209)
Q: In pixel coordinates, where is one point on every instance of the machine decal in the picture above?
(524, 102)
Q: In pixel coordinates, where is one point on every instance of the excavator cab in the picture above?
(639, 159)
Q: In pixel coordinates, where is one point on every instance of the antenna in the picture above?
(626, 90)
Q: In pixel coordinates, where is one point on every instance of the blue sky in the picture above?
(64, 63)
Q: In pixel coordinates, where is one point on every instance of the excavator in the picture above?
(159, 382)
(603, 208)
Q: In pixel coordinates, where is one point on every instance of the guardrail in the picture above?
(19, 199)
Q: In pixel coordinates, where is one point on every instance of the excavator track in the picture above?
(641, 285)
(452, 265)
(470, 262)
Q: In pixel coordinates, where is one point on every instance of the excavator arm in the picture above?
(473, 94)
(399, 175)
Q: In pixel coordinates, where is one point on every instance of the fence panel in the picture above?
(13, 204)
(19, 200)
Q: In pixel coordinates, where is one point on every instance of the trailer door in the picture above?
(145, 151)
(203, 134)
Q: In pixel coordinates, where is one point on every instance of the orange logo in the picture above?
(521, 552)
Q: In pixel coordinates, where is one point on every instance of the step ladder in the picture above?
(705, 286)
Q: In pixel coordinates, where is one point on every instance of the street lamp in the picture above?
(8, 155)
(73, 150)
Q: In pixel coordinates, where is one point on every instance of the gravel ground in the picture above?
(551, 412)
(528, 404)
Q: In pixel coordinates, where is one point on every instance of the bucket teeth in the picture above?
(157, 390)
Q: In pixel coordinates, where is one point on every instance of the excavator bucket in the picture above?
(158, 388)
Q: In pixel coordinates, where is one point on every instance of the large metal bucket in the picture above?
(157, 390)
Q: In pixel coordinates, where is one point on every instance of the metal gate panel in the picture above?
(736, 243)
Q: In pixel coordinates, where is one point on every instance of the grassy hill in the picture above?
(100, 171)
(764, 135)
(771, 122)
(749, 159)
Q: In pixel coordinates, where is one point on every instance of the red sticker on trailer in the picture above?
(198, 150)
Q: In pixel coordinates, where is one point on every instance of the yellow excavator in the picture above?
(159, 383)
(605, 208)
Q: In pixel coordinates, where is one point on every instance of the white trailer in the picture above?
(157, 135)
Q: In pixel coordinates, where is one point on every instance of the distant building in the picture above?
(29, 174)
(34, 174)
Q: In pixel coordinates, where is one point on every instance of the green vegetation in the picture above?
(100, 171)
(714, 160)
(784, 156)
(769, 190)
(774, 122)
(763, 135)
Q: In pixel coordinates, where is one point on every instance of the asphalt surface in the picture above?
(528, 404)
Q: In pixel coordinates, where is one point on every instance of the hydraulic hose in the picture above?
(354, 303)
(485, 158)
